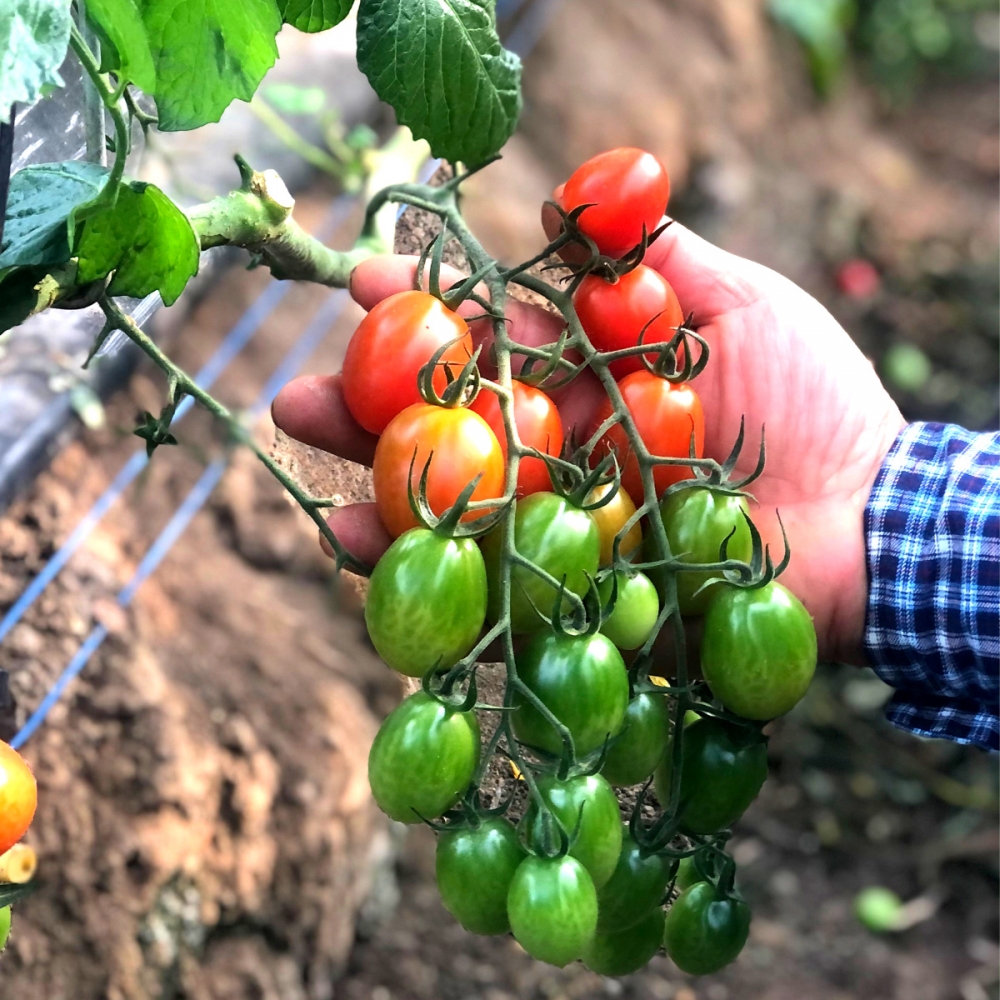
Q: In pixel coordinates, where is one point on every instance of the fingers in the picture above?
(360, 530)
(312, 410)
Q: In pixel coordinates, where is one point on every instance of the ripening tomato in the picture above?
(758, 653)
(474, 868)
(552, 906)
(18, 797)
(627, 189)
(423, 758)
(538, 426)
(610, 519)
(462, 445)
(705, 930)
(426, 601)
(614, 313)
(666, 416)
(388, 349)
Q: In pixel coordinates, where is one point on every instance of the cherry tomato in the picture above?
(635, 611)
(627, 188)
(636, 887)
(463, 446)
(758, 653)
(614, 314)
(18, 797)
(640, 745)
(705, 931)
(424, 757)
(538, 426)
(620, 953)
(426, 601)
(475, 866)
(610, 520)
(581, 679)
(723, 770)
(4, 926)
(557, 536)
(696, 521)
(587, 800)
(390, 346)
(552, 906)
(688, 874)
(665, 416)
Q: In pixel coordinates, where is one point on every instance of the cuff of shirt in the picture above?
(932, 531)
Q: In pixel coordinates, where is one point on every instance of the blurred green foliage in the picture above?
(899, 41)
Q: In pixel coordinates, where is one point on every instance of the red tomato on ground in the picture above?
(538, 426)
(18, 797)
(665, 416)
(388, 349)
(614, 313)
(463, 446)
(627, 188)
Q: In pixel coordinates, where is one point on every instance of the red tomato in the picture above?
(390, 346)
(627, 188)
(538, 426)
(614, 313)
(18, 797)
(463, 446)
(665, 416)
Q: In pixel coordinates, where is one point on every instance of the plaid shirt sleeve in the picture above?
(932, 529)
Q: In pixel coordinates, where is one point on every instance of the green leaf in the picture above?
(314, 15)
(34, 36)
(292, 100)
(822, 27)
(124, 45)
(440, 64)
(208, 53)
(145, 239)
(11, 892)
(40, 204)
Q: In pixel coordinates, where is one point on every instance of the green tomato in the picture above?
(688, 874)
(636, 887)
(552, 906)
(634, 615)
(620, 953)
(723, 770)
(423, 759)
(475, 867)
(697, 521)
(704, 931)
(558, 537)
(426, 601)
(758, 652)
(581, 679)
(4, 926)
(640, 745)
(590, 801)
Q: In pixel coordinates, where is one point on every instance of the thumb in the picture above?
(708, 281)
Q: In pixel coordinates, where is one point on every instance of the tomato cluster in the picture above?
(572, 552)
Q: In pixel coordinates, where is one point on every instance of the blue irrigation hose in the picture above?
(237, 338)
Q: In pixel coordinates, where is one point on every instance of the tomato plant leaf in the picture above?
(124, 44)
(440, 64)
(208, 53)
(40, 205)
(34, 36)
(314, 15)
(11, 892)
(146, 240)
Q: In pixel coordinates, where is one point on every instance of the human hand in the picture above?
(779, 359)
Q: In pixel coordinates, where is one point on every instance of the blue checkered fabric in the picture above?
(932, 528)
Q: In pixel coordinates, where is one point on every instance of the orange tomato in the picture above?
(666, 416)
(611, 519)
(538, 426)
(18, 797)
(462, 445)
